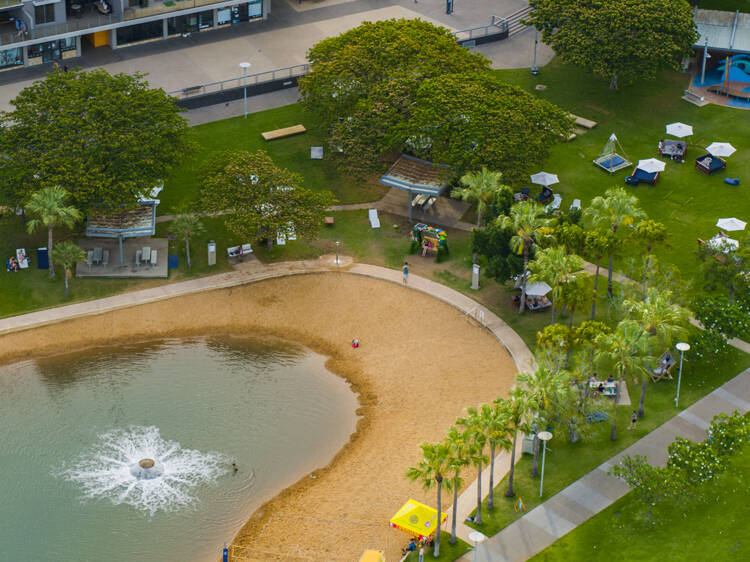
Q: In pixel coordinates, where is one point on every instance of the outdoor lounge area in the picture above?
(642, 176)
(709, 164)
(143, 257)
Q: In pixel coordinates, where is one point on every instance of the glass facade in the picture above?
(52, 50)
(11, 57)
(140, 32)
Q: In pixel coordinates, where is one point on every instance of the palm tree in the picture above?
(459, 446)
(481, 187)
(615, 210)
(475, 426)
(627, 350)
(48, 204)
(434, 464)
(185, 227)
(518, 407)
(651, 232)
(498, 431)
(555, 267)
(67, 254)
(598, 243)
(530, 227)
(546, 387)
(663, 320)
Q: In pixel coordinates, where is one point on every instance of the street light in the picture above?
(244, 66)
(476, 537)
(544, 436)
(534, 69)
(682, 348)
(337, 252)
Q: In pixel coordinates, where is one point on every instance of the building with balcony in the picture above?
(38, 31)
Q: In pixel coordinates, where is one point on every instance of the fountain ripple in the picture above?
(114, 469)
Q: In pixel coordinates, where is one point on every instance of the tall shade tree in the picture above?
(459, 444)
(528, 224)
(616, 210)
(598, 243)
(263, 198)
(663, 320)
(184, 227)
(498, 436)
(549, 390)
(621, 41)
(475, 428)
(431, 472)
(66, 254)
(49, 209)
(557, 268)
(480, 188)
(519, 407)
(106, 139)
(350, 69)
(626, 350)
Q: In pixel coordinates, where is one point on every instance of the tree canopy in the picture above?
(620, 41)
(105, 139)
(261, 198)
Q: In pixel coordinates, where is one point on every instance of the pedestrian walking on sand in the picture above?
(406, 273)
(633, 420)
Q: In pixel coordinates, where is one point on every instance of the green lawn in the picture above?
(183, 185)
(725, 5)
(685, 200)
(687, 528)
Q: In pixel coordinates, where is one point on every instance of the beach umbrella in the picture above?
(538, 289)
(731, 224)
(545, 179)
(651, 165)
(720, 149)
(723, 243)
(679, 130)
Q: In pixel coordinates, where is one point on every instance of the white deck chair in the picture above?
(555, 204)
(374, 220)
(105, 257)
(316, 153)
(576, 206)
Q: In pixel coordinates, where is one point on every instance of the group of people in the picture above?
(11, 264)
(412, 546)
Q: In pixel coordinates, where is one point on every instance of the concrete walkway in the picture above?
(589, 495)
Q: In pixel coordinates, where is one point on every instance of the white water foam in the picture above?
(109, 470)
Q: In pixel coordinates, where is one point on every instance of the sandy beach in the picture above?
(420, 364)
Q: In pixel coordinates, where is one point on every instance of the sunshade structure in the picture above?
(679, 130)
(417, 519)
(538, 289)
(131, 223)
(417, 176)
(731, 224)
(721, 149)
(651, 165)
(544, 178)
(609, 159)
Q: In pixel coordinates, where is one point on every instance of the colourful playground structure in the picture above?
(731, 77)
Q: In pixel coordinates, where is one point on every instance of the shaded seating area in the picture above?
(674, 149)
(418, 178)
(641, 176)
(546, 195)
(612, 157)
(709, 164)
(663, 368)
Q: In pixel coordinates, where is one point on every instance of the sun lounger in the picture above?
(576, 205)
(316, 153)
(555, 204)
(146, 254)
(374, 220)
(285, 132)
(89, 258)
(22, 258)
(153, 258)
(105, 257)
(97, 256)
(138, 255)
(665, 364)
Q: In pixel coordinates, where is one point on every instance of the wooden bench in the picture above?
(329, 221)
(282, 133)
(239, 251)
(585, 123)
(693, 98)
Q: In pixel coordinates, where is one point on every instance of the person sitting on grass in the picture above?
(411, 547)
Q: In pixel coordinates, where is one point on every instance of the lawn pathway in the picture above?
(595, 491)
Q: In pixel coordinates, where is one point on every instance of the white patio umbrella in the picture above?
(723, 243)
(720, 149)
(545, 179)
(731, 224)
(679, 130)
(538, 289)
(651, 165)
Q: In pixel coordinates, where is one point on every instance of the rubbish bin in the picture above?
(212, 253)
(42, 258)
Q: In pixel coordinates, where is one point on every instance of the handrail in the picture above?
(496, 23)
(239, 81)
(734, 28)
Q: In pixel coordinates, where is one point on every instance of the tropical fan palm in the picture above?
(48, 205)
(460, 448)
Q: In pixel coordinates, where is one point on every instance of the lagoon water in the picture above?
(73, 429)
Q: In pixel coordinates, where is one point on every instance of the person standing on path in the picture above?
(633, 420)
(406, 273)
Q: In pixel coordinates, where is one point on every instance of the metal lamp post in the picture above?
(544, 436)
(244, 66)
(682, 347)
(337, 252)
(706, 56)
(534, 69)
(476, 537)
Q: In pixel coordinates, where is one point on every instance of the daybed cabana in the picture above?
(639, 176)
(709, 164)
(674, 149)
(417, 177)
(609, 159)
(130, 223)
